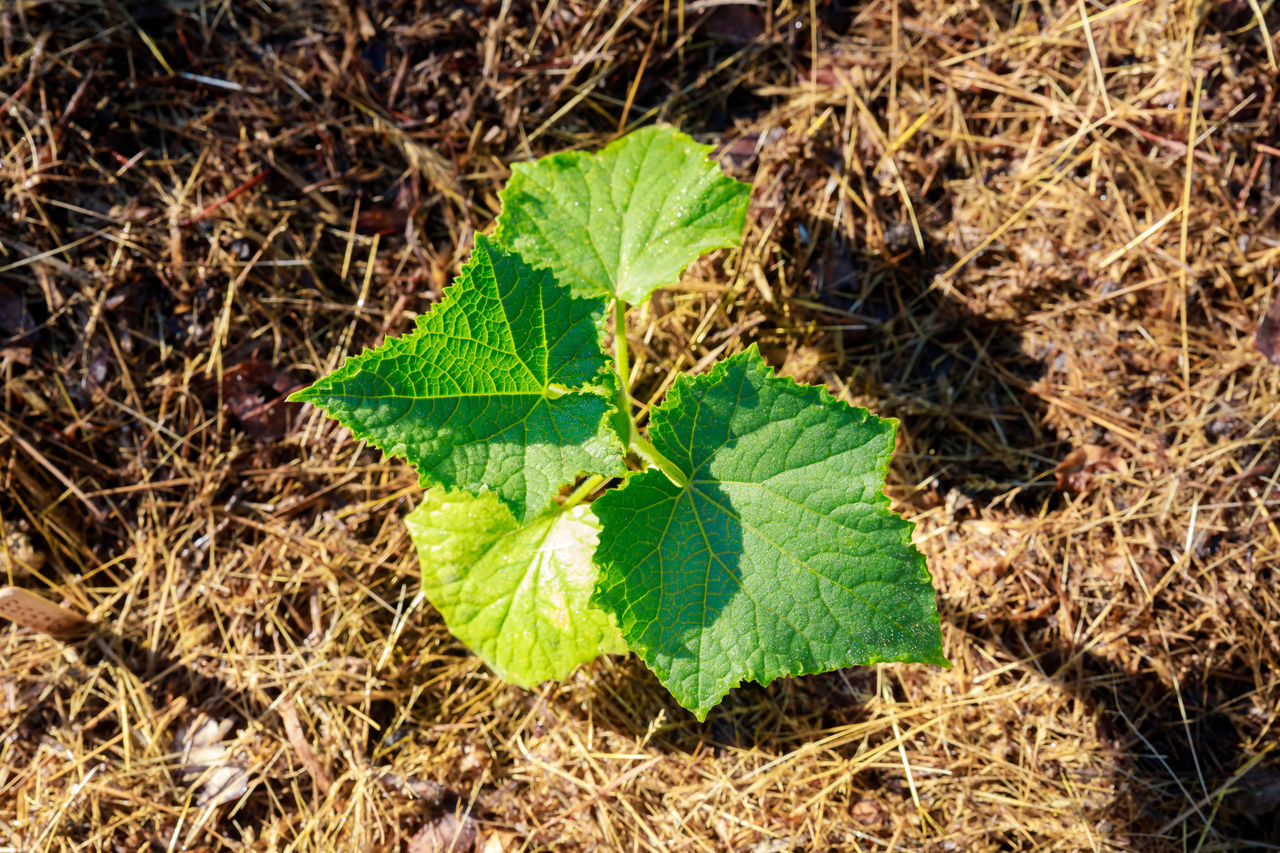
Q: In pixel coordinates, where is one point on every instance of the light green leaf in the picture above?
(780, 557)
(517, 596)
(496, 389)
(626, 220)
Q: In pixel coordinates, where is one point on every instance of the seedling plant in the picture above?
(748, 536)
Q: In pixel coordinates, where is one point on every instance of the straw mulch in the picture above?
(1035, 233)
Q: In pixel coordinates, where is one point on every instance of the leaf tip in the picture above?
(313, 393)
(483, 243)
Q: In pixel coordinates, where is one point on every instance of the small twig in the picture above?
(607, 787)
(9, 100)
(29, 448)
(298, 740)
(247, 185)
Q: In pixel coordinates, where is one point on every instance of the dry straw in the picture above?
(1020, 228)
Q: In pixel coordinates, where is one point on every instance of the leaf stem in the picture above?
(580, 494)
(651, 455)
(636, 441)
(620, 346)
(623, 398)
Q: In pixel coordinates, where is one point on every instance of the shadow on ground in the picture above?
(975, 434)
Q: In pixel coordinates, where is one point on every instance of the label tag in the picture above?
(31, 611)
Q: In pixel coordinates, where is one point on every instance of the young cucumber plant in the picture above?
(757, 543)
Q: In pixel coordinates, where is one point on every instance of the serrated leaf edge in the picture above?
(591, 386)
(528, 169)
(659, 422)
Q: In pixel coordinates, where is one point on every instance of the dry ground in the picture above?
(1021, 228)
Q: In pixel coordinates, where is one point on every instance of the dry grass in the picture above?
(1021, 229)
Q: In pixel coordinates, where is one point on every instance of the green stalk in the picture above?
(651, 455)
(620, 348)
(623, 423)
(636, 441)
(580, 494)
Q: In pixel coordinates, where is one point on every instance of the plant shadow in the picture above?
(964, 384)
(971, 431)
(954, 370)
(1188, 772)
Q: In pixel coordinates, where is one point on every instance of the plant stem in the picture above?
(637, 441)
(620, 349)
(622, 398)
(650, 453)
(580, 494)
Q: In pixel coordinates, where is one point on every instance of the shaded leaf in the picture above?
(781, 555)
(254, 392)
(448, 832)
(735, 23)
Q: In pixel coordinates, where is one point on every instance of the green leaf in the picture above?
(626, 220)
(780, 557)
(496, 389)
(516, 595)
